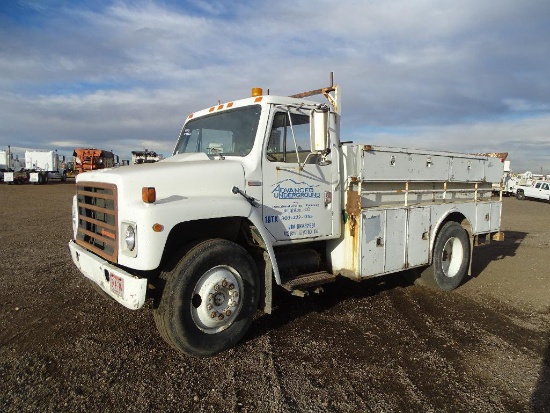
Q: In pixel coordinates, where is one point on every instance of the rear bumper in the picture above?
(118, 284)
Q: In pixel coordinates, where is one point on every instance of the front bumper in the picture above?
(120, 285)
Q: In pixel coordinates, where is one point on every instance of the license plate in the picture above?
(117, 285)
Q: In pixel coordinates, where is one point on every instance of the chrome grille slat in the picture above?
(97, 219)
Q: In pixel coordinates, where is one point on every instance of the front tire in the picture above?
(451, 257)
(209, 298)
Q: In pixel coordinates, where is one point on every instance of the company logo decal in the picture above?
(290, 189)
(108, 234)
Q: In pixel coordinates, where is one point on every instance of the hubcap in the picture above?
(451, 257)
(216, 299)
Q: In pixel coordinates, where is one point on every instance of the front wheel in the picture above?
(451, 257)
(209, 298)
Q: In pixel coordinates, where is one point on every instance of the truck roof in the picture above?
(264, 99)
(378, 148)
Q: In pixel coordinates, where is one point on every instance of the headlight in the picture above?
(130, 237)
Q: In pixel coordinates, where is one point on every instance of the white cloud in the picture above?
(125, 76)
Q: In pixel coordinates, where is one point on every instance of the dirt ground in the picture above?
(381, 345)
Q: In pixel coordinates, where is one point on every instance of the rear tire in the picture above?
(520, 195)
(209, 298)
(451, 257)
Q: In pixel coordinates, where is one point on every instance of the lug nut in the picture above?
(228, 312)
(231, 286)
(220, 317)
(210, 297)
(214, 314)
(209, 307)
(217, 287)
(224, 283)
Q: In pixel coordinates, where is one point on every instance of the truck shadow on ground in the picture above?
(497, 250)
(288, 308)
(540, 399)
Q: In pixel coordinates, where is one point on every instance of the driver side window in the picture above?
(285, 130)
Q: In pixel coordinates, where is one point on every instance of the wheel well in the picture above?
(457, 217)
(188, 234)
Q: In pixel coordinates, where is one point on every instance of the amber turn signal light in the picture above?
(148, 195)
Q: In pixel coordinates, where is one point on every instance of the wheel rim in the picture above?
(451, 257)
(216, 299)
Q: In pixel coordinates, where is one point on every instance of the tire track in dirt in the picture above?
(470, 339)
(255, 379)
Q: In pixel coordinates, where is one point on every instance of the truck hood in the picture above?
(176, 178)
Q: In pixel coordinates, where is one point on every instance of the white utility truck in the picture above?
(539, 190)
(511, 185)
(262, 192)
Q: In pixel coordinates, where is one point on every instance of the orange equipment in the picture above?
(90, 159)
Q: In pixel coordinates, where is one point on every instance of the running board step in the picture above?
(309, 280)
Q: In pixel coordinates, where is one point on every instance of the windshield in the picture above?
(231, 132)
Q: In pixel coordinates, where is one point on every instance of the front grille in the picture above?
(97, 219)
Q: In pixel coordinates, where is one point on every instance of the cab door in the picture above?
(543, 191)
(298, 186)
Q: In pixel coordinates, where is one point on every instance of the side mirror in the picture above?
(319, 128)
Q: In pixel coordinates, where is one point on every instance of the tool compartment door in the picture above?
(372, 242)
(418, 236)
(383, 241)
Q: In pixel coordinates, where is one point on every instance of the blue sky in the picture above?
(468, 76)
